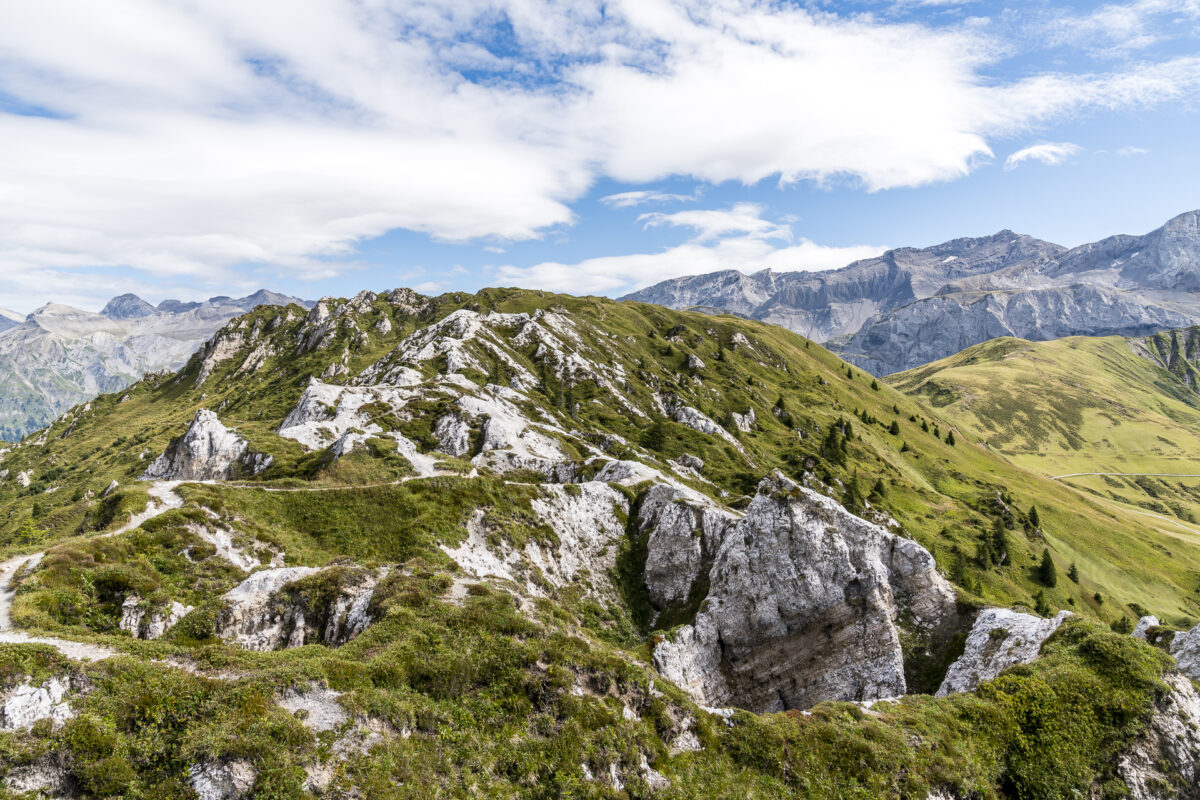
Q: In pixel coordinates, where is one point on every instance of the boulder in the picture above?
(804, 606)
(682, 537)
(1143, 625)
(207, 451)
(222, 780)
(999, 639)
(1185, 647)
(144, 622)
(27, 704)
(1164, 762)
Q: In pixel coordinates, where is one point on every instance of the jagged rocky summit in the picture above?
(60, 356)
(911, 306)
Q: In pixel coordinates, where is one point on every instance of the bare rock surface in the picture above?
(803, 607)
(999, 639)
(1143, 625)
(207, 451)
(1185, 647)
(27, 704)
(223, 780)
(683, 535)
(1164, 762)
(145, 622)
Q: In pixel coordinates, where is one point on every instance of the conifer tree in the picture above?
(1047, 572)
(1034, 518)
(655, 437)
(950, 438)
(895, 429)
(1073, 573)
(1040, 605)
(878, 491)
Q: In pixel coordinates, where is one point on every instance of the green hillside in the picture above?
(500, 694)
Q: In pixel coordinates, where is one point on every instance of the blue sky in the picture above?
(186, 150)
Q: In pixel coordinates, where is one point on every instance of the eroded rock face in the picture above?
(999, 639)
(27, 704)
(223, 780)
(271, 611)
(1164, 763)
(1143, 625)
(207, 451)
(1185, 647)
(47, 775)
(803, 606)
(145, 622)
(683, 535)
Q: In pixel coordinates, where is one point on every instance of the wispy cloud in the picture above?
(743, 219)
(1131, 150)
(645, 197)
(1050, 153)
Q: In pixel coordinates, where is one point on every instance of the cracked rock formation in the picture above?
(804, 606)
(999, 639)
(207, 451)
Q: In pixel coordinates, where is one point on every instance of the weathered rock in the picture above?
(267, 611)
(999, 639)
(207, 451)
(1185, 647)
(108, 490)
(223, 780)
(143, 622)
(23, 479)
(1164, 762)
(48, 776)
(27, 704)
(682, 536)
(689, 461)
(745, 422)
(1144, 624)
(318, 707)
(695, 419)
(453, 435)
(803, 607)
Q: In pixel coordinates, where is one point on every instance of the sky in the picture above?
(188, 148)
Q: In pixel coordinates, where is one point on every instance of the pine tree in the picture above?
(1040, 605)
(895, 429)
(1034, 519)
(853, 494)
(924, 426)
(1073, 573)
(28, 533)
(1047, 572)
(950, 438)
(895, 409)
(999, 543)
(874, 385)
(655, 437)
(878, 491)
(832, 449)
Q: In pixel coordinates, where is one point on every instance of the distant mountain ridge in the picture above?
(910, 306)
(60, 356)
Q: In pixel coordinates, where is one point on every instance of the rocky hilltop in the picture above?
(60, 356)
(910, 307)
(526, 545)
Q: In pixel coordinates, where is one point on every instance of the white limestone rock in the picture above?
(263, 613)
(745, 422)
(1185, 647)
(453, 435)
(803, 607)
(1143, 625)
(695, 419)
(23, 479)
(145, 622)
(318, 707)
(999, 639)
(26, 704)
(223, 780)
(683, 535)
(47, 776)
(1164, 762)
(207, 451)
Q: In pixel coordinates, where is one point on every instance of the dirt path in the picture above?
(163, 498)
(1127, 475)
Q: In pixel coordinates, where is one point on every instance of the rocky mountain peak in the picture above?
(127, 306)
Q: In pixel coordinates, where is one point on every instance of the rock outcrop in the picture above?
(683, 532)
(276, 609)
(804, 605)
(222, 780)
(1144, 624)
(1164, 762)
(26, 704)
(1185, 647)
(207, 451)
(999, 639)
(145, 622)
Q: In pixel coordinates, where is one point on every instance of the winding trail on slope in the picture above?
(1128, 475)
(163, 498)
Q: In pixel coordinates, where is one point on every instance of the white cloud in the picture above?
(735, 238)
(744, 219)
(1050, 153)
(645, 197)
(1131, 150)
(194, 137)
(1117, 29)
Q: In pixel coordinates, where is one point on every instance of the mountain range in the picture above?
(911, 306)
(516, 544)
(59, 356)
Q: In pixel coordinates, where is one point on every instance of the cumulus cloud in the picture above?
(1050, 153)
(184, 139)
(734, 238)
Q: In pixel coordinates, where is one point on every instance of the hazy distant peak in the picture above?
(127, 306)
